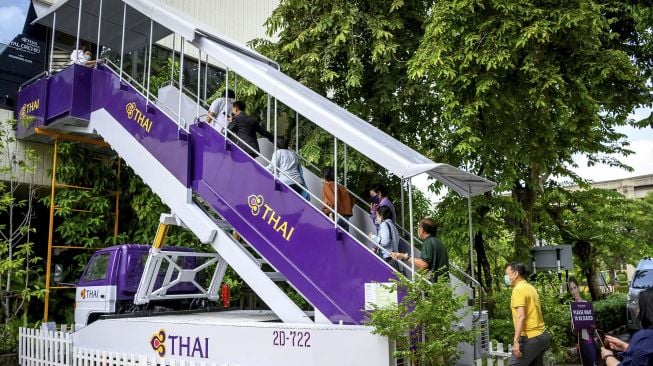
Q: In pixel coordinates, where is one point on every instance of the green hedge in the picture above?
(610, 312)
(8, 339)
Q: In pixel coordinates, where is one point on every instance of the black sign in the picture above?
(23, 58)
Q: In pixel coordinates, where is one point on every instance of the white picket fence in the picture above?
(496, 356)
(42, 347)
(45, 347)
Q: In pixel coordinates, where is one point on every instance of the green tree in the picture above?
(602, 226)
(19, 266)
(525, 87)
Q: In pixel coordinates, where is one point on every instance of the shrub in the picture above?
(432, 309)
(610, 312)
(8, 339)
(554, 311)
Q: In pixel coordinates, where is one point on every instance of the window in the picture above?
(643, 279)
(97, 268)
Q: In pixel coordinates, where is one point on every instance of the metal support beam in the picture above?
(181, 79)
(122, 41)
(50, 230)
(335, 181)
(412, 229)
(79, 22)
(149, 63)
(471, 235)
(99, 29)
(54, 30)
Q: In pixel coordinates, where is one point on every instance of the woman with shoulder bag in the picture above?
(387, 236)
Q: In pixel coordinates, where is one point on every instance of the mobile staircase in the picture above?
(182, 158)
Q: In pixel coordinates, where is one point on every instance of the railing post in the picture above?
(54, 28)
(471, 233)
(206, 74)
(99, 28)
(274, 164)
(412, 230)
(335, 181)
(297, 132)
(199, 77)
(79, 22)
(344, 166)
(149, 63)
(181, 78)
(267, 128)
(122, 41)
(172, 64)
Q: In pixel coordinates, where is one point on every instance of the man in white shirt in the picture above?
(220, 110)
(82, 57)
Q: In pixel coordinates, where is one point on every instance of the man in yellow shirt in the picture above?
(531, 338)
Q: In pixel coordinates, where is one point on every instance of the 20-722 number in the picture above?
(291, 338)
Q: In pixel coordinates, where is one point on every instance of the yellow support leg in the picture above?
(160, 237)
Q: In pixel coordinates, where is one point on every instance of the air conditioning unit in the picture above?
(482, 327)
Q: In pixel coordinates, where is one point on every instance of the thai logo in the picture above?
(89, 293)
(158, 343)
(257, 205)
(195, 347)
(28, 108)
(139, 117)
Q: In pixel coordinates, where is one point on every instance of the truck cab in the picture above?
(111, 279)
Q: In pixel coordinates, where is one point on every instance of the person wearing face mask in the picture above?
(531, 339)
(82, 57)
(387, 236)
(379, 198)
(586, 346)
(639, 351)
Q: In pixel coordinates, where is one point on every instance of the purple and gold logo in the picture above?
(257, 204)
(158, 343)
(28, 108)
(139, 117)
(195, 347)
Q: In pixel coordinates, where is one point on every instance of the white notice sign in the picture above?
(379, 294)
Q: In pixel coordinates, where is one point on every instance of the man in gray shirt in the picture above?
(288, 165)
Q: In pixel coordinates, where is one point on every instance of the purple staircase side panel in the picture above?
(159, 134)
(291, 234)
(70, 93)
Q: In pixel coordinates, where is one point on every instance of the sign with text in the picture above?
(582, 315)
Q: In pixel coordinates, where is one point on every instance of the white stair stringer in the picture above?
(176, 196)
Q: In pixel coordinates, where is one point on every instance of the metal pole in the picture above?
(267, 128)
(149, 62)
(144, 69)
(199, 77)
(471, 235)
(412, 230)
(181, 77)
(54, 24)
(206, 75)
(122, 42)
(297, 132)
(403, 218)
(335, 181)
(172, 65)
(99, 28)
(344, 165)
(275, 136)
(117, 212)
(226, 104)
(79, 21)
(53, 183)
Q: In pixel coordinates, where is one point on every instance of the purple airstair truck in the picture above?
(110, 281)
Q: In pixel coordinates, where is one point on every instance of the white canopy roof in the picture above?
(393, 155)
